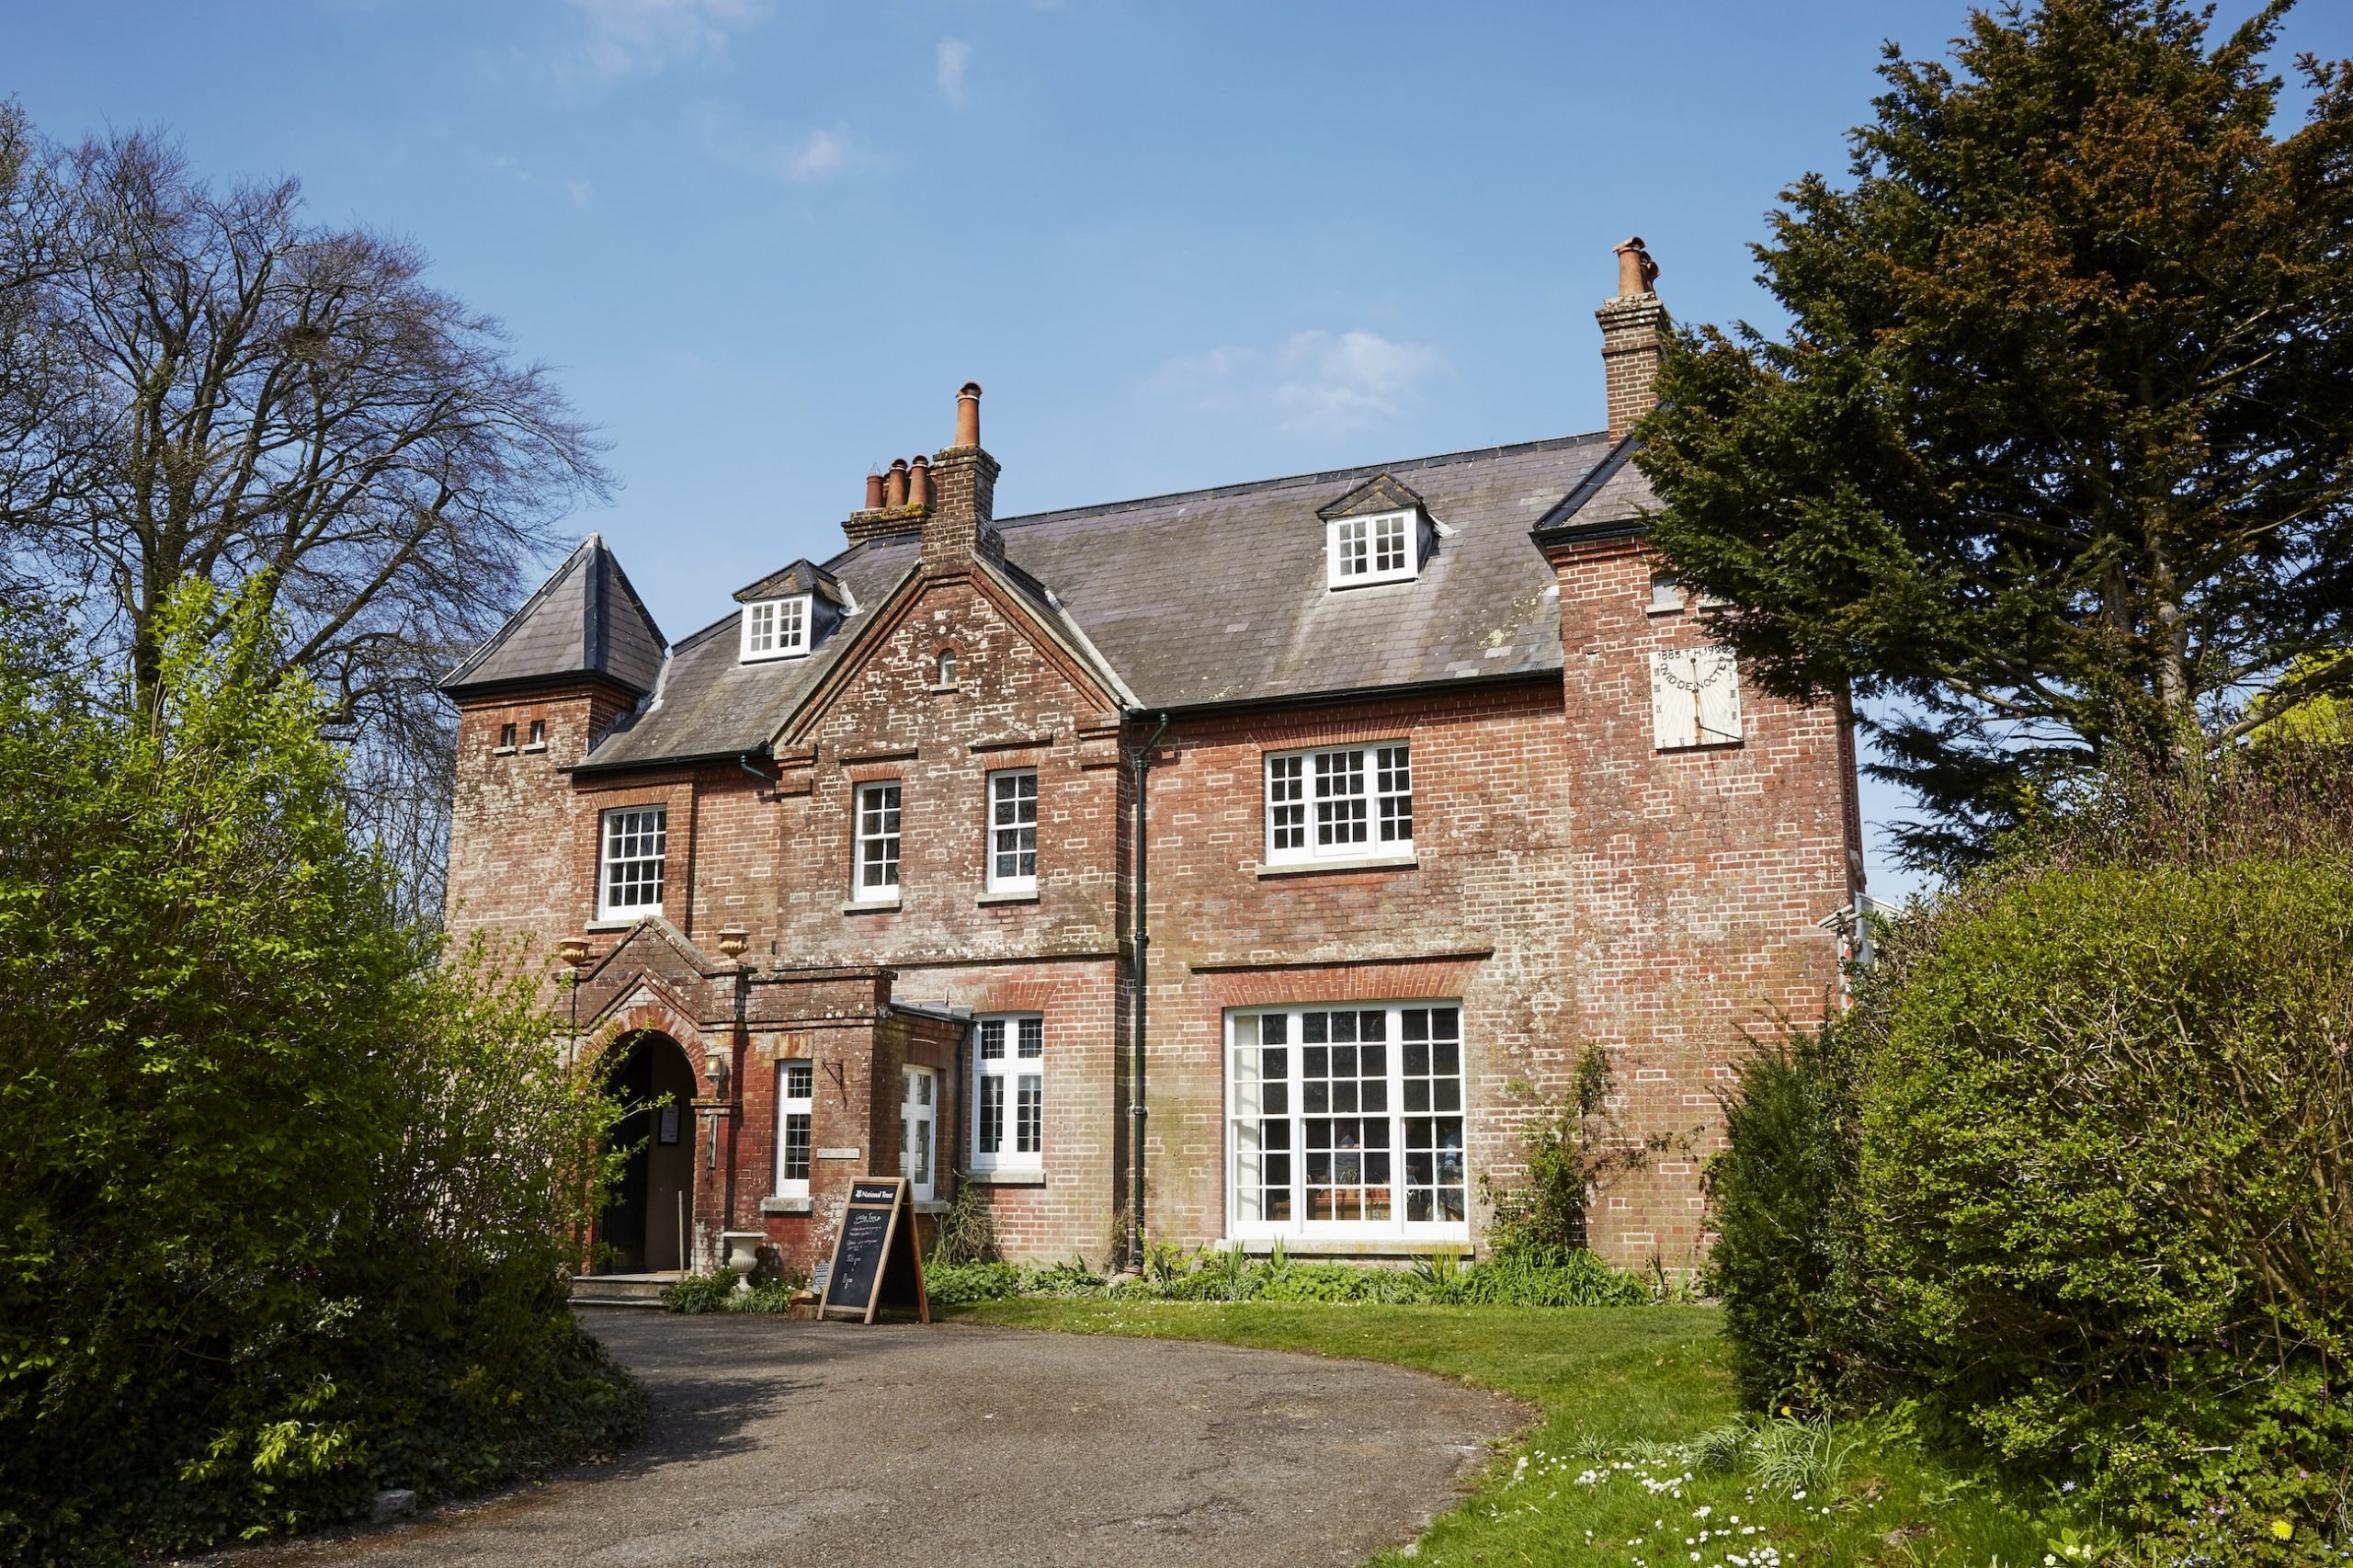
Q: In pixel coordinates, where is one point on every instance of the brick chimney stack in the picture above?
(963, 490)
(1632, 326)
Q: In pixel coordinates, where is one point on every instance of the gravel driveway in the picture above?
(776, 1442)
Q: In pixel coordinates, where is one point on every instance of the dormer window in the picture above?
(776, 628)
(1381, 548)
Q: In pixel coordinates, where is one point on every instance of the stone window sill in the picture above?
(871, 906)
(931, 1206)
(619, 924)
(943, 690)
(541, 745)
(1011, 895)
(1006, 1178)
(502, 751)
(1346, 1246)
(1360, 863)
(787, 1206)
(1664, 610)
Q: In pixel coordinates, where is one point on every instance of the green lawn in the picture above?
(1583, 1485)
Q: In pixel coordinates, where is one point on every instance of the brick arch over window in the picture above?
(1277, 985)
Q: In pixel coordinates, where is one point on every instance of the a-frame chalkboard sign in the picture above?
(875, 1261)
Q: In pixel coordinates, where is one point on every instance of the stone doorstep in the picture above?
(621, 1289)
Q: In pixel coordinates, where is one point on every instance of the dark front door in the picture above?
(645, 1227)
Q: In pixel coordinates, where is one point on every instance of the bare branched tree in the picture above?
(198, 383)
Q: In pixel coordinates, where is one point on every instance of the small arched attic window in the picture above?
(943, 670)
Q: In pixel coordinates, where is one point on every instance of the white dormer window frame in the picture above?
(1378, 547)
(776, 628)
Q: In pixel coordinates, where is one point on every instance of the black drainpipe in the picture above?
(1142, 762)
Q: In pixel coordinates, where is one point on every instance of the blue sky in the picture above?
(1179, 244)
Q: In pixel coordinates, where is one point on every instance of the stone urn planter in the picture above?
(743, 1253)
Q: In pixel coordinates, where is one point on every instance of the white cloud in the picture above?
(954, 55)
(646, 35)
(819, 156)
(1312, 382)
(804, 159)
(579, 190)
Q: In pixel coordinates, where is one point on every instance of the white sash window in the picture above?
(1009, 1093)
(1346, 1120)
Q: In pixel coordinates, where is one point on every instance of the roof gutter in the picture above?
(1358, 693)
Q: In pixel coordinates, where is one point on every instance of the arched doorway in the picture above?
(647, 1224)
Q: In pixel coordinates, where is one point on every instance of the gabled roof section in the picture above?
(1382, 493)
(586, 622)
(803, 576)
(1198, 600)
(1614, 499)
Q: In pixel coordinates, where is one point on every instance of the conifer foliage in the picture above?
(2055, 462)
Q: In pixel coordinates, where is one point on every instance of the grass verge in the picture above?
(1598, 1480)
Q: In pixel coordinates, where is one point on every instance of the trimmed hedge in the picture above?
(2072, 1181)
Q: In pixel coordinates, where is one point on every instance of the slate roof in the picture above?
(1208, 597)
(585, 619)
(1611, 499)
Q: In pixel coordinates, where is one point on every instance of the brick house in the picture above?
(1265, 855)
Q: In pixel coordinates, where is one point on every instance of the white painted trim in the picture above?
(1335, 552)
(796, 647)
(1308, 853)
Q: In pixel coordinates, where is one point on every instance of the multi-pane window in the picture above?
(918, 1119)
(630, 879)
(776, 628)
(506, 738)
(538, 733)
(1009, 1093)
(1012, 831)
(1346, 1120)
(794, 1101)
(1372, 550)
(1337, 804)
(878, 841)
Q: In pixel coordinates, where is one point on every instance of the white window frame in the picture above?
(1251, 1105)
(919, 1111)
(1007, 828)
(1318, 802)
(1379, 546)
(1009, 1092)
(793, 1107)
(876, 816)
(775, 628)
(626, 828)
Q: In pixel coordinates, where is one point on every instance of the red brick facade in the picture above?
(1570, 883)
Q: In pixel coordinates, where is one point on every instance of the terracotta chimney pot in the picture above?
(874, 490)
(1636, 271)
(894, 488)
(968, 415)
(919, 481)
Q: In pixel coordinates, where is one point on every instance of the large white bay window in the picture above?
(1347, 1122)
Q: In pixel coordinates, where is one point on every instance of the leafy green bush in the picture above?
(2103, 1172)
(285, 1201)
(1782, 1202)
(698, 1294)
(1555, 1277)
(954, 1284)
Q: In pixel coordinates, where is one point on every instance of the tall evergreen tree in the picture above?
(2056, 460)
